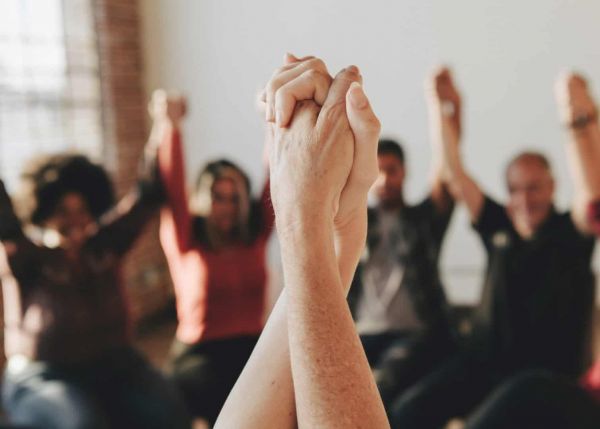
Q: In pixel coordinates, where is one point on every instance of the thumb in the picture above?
(365, 127)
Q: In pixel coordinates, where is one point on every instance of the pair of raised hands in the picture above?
(323, 155)
(573, 98)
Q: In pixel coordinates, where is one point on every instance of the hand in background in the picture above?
(575, 103)
(167, 106)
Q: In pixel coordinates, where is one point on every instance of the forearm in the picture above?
(276, 407)
(459, 183)
(332, 381)
(583, 152)
(172, 175)
(350, 240)
(441, 194)
(120, 226)
(10, 226)
(150, 186)
(267, 379)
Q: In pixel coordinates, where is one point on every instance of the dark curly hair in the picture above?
(47, 179)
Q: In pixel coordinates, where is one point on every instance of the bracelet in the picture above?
(582, 121)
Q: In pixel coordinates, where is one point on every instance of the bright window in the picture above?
(50, 97)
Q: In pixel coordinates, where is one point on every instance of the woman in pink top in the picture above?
(217, 258)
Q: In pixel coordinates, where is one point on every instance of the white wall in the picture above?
(506, 55)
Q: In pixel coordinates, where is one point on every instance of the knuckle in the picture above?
(373, 125)
(319, 77)
(334, 112)
(278, 71)
(312, 74)
(315, 63)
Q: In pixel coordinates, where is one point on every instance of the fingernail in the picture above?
(353, 69)
(278, 117)
(289, 58)
(357, 96)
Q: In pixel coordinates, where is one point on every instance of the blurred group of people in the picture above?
(524, 363)
(530, 335)
(71, 363)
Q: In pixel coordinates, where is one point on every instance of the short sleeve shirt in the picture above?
(401, 290)
(538, 293)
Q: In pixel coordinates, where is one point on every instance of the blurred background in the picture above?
(77, 74)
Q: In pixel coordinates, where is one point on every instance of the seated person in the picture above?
(308, 368)
(71, 363)
(397, 298)
(538, 399)
(544, 399)
(217, 259)
(538, 294)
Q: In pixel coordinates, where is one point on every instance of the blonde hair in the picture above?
(201, 201)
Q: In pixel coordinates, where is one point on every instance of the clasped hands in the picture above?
(323, 151)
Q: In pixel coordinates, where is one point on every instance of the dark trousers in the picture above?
(401, 360)
(121, 390)
(206, 372)
(537, 400)
(453, 390)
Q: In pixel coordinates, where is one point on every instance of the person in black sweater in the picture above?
(537, 301)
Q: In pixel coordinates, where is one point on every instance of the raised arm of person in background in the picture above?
(579, 114)
(10, 226)
(16, 251)
(119, 228)
(167, 111)
(444, 103)
(441, 195)
(267, 378)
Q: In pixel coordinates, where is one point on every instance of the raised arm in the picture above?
(168, 110)
(579, 114)
(267, 376)
(119, 228)
(440, 193)
(17, 253)
(10, 226)
(310, 165)
(445, 105)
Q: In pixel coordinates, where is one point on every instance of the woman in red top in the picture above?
(217, 258)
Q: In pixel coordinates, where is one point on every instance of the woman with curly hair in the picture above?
(71, 363)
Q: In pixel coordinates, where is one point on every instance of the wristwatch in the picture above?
(582, 121)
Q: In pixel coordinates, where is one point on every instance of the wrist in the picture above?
(583, 121)
(300, 225)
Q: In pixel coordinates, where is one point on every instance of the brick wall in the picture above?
(125, 126)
